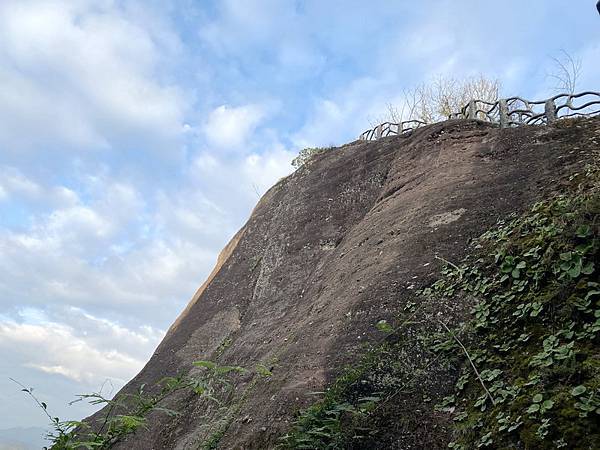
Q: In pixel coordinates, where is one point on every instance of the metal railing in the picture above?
(506, 112)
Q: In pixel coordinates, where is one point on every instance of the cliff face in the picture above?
(331, 250)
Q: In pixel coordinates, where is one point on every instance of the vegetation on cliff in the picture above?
(526, 359)
(535, 328)
(127, 413)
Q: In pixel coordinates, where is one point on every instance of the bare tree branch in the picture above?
(566, 73)
(437, 100)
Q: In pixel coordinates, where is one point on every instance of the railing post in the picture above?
(503, 108)
(550, 110)
(378, 132)
(472, 110)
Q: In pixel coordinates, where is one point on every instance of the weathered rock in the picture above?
(334, 248)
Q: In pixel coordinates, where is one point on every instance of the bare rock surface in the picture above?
(334, 248)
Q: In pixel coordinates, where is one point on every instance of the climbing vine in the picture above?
(528, 353)
(535, 328)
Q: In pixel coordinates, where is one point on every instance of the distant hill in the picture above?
(31, 438)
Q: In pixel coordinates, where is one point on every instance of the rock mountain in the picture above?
(332, 250)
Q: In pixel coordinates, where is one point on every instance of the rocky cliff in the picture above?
(338, 246)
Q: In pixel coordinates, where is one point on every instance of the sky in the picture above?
(136, 137)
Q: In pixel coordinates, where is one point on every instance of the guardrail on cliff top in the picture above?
(506, 112)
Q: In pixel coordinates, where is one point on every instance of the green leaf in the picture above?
(578, 390)
(574, 271)
(263, 371)
(90, 445)
(131, 422)
(533, 408)
(566, 256)
(384, 326)
(537, 398)
(221, 370)
(547, 404)
(521, 265)
(583, 231)
(369, 399)
(588, 269)
(591, 293)
(584, 249)
(208, 364)
(536, 309)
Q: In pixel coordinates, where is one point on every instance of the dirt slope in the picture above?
(334, 248)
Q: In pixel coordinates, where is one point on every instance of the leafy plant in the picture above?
(535, 326)
(306, 154)
(127, 413)
(540, 405)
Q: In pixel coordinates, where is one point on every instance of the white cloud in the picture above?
(230, 127)
(80, 222)
(115, 253)
(246, 23)
(80, 73)
(57, 348)
(17, 186)
(88, 287)
(244, 179)
(263, 170)
(14, 182)
(327, 125)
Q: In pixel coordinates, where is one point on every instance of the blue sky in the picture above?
(136, 136)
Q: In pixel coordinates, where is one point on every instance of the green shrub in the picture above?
(127, 413)
(306, 154)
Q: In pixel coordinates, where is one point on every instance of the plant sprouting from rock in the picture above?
(127, 413)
